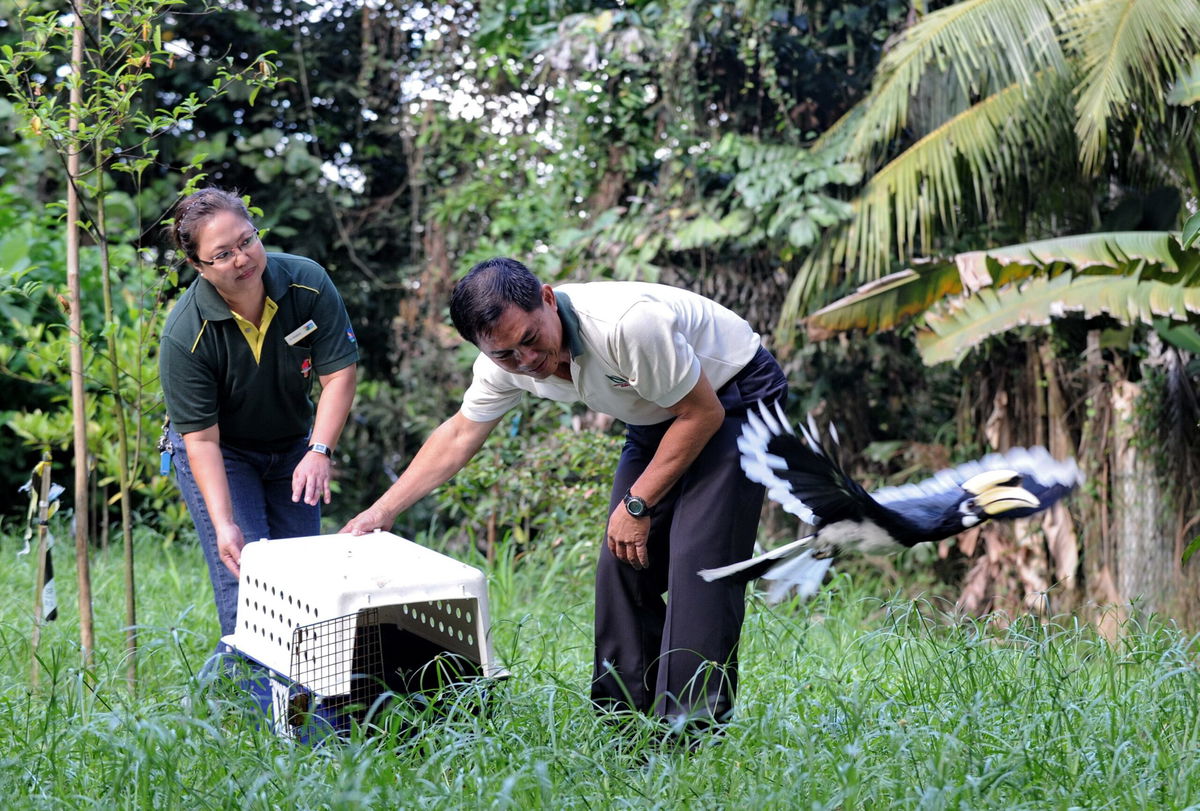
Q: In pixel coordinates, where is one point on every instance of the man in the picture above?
(680, 371)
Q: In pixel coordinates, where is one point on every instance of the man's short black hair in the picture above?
(482, 296)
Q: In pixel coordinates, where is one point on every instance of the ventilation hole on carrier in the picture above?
(470, 639)
(442, 627)
(458, 612)
(468, 617)
(460, 634)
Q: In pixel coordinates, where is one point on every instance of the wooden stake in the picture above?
(78, 405)
(43, 514)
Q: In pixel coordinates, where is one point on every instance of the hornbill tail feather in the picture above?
(801, 575)
(746, 570)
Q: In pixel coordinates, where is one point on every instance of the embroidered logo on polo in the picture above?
(350, 335)
(306, 367)
(618, 382)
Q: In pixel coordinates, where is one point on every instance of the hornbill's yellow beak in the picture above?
(999, 500)
(981, 482)
(998, 491)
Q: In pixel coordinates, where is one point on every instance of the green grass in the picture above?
(852, 701)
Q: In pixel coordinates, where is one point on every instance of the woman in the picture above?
(238, 356)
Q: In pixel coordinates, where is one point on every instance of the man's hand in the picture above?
(627, 537)
(229, 547)
(368, 520)
(310, 479)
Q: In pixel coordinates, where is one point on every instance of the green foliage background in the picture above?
(686, 142)
(718, 145)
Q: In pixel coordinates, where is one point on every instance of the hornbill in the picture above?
(806, 478)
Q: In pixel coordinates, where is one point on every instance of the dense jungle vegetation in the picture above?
(962, 226)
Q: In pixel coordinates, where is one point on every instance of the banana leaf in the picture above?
(1145, 256)
(948, 336)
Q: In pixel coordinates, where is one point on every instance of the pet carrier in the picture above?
(335, 626)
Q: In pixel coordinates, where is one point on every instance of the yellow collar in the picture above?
(256, 335)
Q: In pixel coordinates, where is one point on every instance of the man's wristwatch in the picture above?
(319, 447)
(635, 506)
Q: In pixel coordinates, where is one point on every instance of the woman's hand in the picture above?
(229, 546)
(310, 479)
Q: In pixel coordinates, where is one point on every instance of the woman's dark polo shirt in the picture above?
(209, 374)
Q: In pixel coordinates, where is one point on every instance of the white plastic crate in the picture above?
(341, 618)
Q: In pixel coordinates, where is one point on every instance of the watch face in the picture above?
(635, 506)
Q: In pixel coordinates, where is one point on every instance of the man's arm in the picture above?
(447, 451)
(310, 479)
(203, 450)
(697, 417)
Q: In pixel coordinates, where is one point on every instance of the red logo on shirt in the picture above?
(618, 382)
(306, 367)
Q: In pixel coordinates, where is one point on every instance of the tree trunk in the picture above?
(1146, 572)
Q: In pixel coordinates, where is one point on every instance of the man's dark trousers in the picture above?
(678, 657)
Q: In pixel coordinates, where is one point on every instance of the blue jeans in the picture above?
(260, 487)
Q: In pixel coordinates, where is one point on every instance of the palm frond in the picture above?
(1127, 49)
(984, 44)
(1186, 90)
(896, 211)
(816, 270)
(899, 206)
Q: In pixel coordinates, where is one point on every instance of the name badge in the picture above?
(301, 332)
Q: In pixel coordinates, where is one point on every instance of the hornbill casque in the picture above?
(806, 478)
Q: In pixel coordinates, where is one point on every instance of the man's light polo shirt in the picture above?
(217, 370)
(636, 350)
